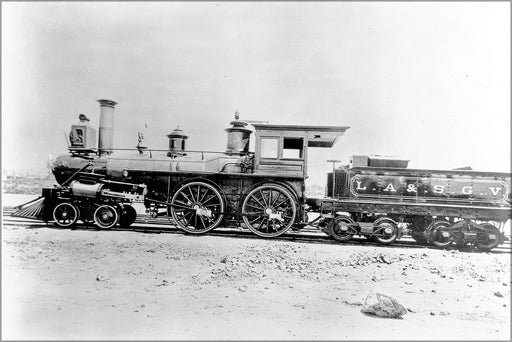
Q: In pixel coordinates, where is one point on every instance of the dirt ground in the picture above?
(87, 284)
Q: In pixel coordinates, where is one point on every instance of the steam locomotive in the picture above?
(264, 191)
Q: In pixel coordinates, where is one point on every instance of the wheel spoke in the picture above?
(190, 218)
(261, 204)
(209, 199)
(275, 200)
(191, 194)
(181, 205)
(202, 221)
(186, 197)
(205, 192)
(263, 198)
(280, 203)
(256, 219)
(259, 208)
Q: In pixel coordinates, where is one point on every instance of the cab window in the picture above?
(269, 147)
(293, 148)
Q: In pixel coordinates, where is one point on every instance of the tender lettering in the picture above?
(359, 186)
(495, 190)
(438, 189)
(467, 190)
(412, 188)
(390, 188)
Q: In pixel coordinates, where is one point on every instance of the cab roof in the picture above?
(317, 136)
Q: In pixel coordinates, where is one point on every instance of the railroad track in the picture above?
(308, 234)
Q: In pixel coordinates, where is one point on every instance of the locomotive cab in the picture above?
(282, 149)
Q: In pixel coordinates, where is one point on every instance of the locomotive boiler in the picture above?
(264, 190)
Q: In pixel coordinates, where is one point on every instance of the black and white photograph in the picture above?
(256, 170)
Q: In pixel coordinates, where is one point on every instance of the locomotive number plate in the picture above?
(492, 237)
(445, 234)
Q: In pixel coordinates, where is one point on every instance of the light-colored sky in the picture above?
(429, 82)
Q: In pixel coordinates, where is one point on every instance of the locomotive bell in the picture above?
(238, 136)
(176, 142)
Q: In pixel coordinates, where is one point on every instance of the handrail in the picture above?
(166, 150)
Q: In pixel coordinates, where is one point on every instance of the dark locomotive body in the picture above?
(264, 190)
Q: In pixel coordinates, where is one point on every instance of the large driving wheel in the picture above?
(106, 216)
(197, 207)
(438, 234)
(488, 239)
(385, 231)
(269, 210)
(128, 216)
(65, 214)
(342, 228)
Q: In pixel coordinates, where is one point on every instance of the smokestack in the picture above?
(106, 135)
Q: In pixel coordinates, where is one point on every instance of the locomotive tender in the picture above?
(264, 190)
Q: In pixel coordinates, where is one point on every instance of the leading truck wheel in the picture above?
(197, 207)
(342, 228)
(65, 214)
(269, 210)
(385, 231)
(438, 235)
(106, 216)
(489, 238)
(128, 216)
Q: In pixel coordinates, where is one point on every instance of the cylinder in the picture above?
(86, 190)
(106, 134)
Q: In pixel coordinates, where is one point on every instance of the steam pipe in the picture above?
(106, 134)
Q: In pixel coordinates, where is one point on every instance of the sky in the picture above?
(427, 82)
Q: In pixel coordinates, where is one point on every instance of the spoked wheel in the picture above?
(342, 229)
(106, 216)
(65, 214)
(488, 239)
(386, 231)
(269, 210)
(128, 216)
(197, 207)
(438, 235)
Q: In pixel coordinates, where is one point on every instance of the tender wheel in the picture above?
(106, 216)
(197, 207)
(438, 235)
(269, 210)
(386, 231)
(488, 239)
(342, 229)
(65, 214)
(128, 216)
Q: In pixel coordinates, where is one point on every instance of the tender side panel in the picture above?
(421, 187)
